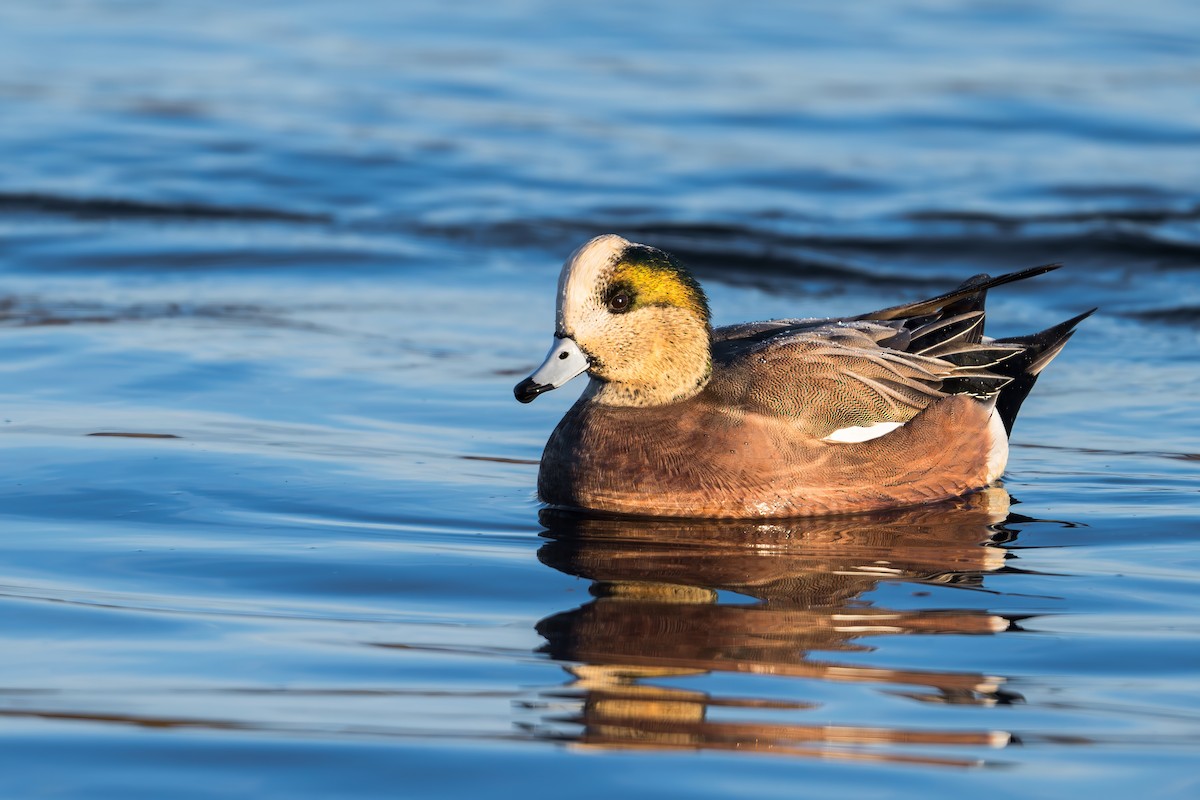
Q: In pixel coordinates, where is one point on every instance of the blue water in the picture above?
(310, 247)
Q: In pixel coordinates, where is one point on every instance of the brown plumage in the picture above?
(901, 406)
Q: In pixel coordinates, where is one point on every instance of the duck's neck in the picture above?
(670, 371)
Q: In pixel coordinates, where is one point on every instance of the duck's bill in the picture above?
(564, 361)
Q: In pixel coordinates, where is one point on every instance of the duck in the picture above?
(898, 407)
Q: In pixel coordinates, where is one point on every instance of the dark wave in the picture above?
(114, 208)
(1012, 249)
(726, 263)
(1180, 315)
(1009, 248)
(729, 253)
(291, 258)
(1151, 216)
(26, 312)
(919, 255)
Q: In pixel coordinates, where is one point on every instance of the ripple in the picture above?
(118, 209)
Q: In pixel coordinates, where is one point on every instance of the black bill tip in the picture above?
(527, 389)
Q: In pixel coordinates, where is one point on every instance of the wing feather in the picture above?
(884, 366)
(827, 377)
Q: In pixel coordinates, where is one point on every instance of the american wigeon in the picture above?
(902, 406)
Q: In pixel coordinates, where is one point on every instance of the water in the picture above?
(316, 246)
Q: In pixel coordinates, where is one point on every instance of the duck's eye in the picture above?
(619, 301)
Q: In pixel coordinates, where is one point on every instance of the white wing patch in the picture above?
(862, 433)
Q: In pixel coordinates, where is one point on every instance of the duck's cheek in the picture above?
(564, 361)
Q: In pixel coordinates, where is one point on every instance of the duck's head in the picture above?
(632, 318)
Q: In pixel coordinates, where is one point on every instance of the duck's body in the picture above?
(700, 460)
(785, 418)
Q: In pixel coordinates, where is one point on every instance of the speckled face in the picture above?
(634, 319)
(611, 276)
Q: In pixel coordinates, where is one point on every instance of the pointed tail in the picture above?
(1038, 350)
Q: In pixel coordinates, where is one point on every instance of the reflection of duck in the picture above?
(658, 612)
(895, 407)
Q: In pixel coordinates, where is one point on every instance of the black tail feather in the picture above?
(1037, 350)
(950, 327)
(973, 290)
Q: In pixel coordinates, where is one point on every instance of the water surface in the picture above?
(303, 252)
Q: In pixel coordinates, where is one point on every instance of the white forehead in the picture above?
(583, 271)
